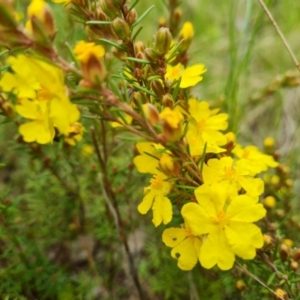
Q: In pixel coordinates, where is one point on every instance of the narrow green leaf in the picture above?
(143, 16)
(113, 44)
(176, 90)
(95, 22)
(185, 187)
(71, 53)
(154, 77)
(202, 158)
(140, 88)
(142, 61)
(3, 52)
(271, 278)
(174, 53)
(137, 33)
(134, 4)
(4, 68)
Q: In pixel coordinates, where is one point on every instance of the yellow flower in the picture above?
(187, 30)
(63, 113)
(226, 225)
(172, 117)
(155, 197)
(189, 76)
(22, 81)
(84, 51)
(204, 127)
(44, 84)
(75, 134)
(62, 1)
(185, 246)
(39, 130)
(269, 202)
(232, 175)
(186, 36)
(252, 156)
(171, 121)
(127, 118)
(87, 150)
(152, 159)
(36, 9)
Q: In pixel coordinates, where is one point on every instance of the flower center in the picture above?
(229, 172)
(245, 153)
(156, 182)
(221, 216)
(201, 124)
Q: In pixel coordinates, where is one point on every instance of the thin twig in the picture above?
(257, 279)
(119, 227)
(286, 44)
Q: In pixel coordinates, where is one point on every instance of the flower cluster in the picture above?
(199, 172)
(42, 98)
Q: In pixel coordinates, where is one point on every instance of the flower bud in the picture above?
(131, 17)
(176, 18)
(269, 202)
(240, 285)
(297, 255)
(151, 54)
(284, 251)
(186, 36)
(294, 265)
(162, 40)
(157, 88)
(151, 113)
(167, 100)
(267, 240)
(171, 121)
(121, 28)
(281, 294)
(139, 98)
(119, 54)
(41, 19)
(8, 109)
(94, 70)
(289, 183)
(162, 22)
(110, 8)
(139, 47)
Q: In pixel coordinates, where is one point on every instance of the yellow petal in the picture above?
(244, 239)
(186, 254)
(146, 204)
(36, 131)
(173, 236)
(216, 251)
(244, 208)
(146, 164)
(198, 218)
(253, 186)
(162, 210)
